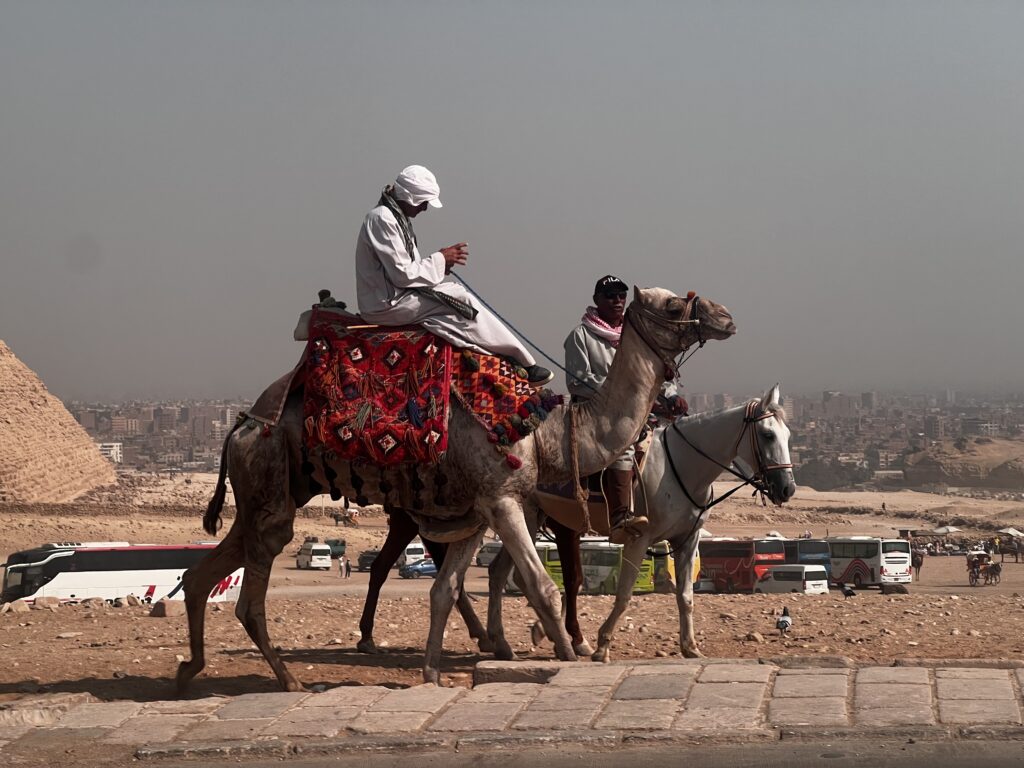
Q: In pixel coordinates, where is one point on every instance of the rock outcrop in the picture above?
(985, 462)
(45, 455)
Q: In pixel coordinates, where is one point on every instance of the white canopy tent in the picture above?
(945, 530)
(1011, 531)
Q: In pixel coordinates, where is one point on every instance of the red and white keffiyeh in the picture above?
(593, 323)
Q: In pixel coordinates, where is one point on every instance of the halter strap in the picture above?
(638, 317)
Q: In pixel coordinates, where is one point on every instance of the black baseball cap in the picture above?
(610, 284)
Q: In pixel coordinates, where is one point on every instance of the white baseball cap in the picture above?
(416, 185)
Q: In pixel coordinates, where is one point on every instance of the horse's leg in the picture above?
(197, 583)
(443, 594)
(684, 600)
(437, 552)
(402, 530)
(632, 556)
(508, 519)
(568, 543)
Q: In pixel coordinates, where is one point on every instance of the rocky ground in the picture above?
(117, 653)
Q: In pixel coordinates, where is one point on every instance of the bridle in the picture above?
(758, 480)
(639, 316)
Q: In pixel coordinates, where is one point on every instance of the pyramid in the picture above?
(45, 455)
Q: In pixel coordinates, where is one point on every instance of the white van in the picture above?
(313, 555)
(413, 553)
(804, 579)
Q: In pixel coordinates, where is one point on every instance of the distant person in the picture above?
(341, 566)
(883, 506)
(916, 561)
(348, 568)
(1018, 550)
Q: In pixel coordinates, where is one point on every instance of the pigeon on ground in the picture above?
(847, 592)
(784, 622)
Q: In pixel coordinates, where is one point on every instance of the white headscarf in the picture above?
(416, 185)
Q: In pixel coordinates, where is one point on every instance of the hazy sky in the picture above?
(177, 179)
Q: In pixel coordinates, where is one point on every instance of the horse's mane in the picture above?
(777, 411)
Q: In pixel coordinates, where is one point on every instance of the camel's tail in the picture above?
(211, 520)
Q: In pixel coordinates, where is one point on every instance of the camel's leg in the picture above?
(497, 577)
(402, 530)
(568, 543)
(684, 599)
(632, 556)
(508, 519)
(198, 582)
(437, 552)
(252, 612)
(443, 594)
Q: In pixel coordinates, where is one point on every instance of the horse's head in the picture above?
(770, 441)
(671, 324)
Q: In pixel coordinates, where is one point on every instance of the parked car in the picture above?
(366, 559)
(488, 551)
(418, 569)
(313, 555)
(805, 579)
(337, 547)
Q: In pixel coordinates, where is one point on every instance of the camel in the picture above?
(685, 458)
(481, 487)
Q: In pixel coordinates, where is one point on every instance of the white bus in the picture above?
(75, 571)
(866, 561)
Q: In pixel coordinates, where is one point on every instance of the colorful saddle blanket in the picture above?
(383, 394)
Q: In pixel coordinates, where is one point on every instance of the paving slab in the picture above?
(185, 706)
(53, 740)
(971, 673)
(389, 722)
(674, 668)
(151, 729)
(955, 688)
(1020, 678)
(347, 696)
(256, 706)
(589, 675)
(803, 686)
(420, 698)
(552, 699)
(496, 693)
(717, 695)
(580, 716)
(638, 715)
(791, 671)
(539, 739)
(891, 695)
(736, 673)
(670, 685)
(323, 722)
(225, 730)
(821, 710)
(977, 712)
(907, 714)
(911, 675)
(725, 720)
(476, 716)
(105, 715)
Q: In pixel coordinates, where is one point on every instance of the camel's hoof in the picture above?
(692, 653)
(366, 646)
(431, 675)
(583, 649)
(600, 656)
(537, 633)
(184, 677)
(294, 686)
(485, 645)
(503, 652)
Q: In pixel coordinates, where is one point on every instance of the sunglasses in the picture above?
(616, 296)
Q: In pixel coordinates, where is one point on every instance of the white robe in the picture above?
(386, 274)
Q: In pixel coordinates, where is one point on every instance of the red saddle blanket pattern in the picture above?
(379, 395)
(383, 394)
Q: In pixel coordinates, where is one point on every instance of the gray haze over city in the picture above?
(177, 180)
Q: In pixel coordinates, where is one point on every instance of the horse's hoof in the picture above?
(366, 646)
(583, 649)
(692, 653)
(294, 686)
(485, 645)
(600, 656)
(537, 633)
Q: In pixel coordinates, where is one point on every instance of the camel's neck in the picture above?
(608, 423)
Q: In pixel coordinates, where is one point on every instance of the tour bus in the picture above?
(809, 552)
(75, 571)
(735, 565)
(601, 562)
(866, 561)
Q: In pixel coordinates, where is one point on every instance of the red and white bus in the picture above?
(75, 571)
(869, 561)
(735, 565)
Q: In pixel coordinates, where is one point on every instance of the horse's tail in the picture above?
(211, 520)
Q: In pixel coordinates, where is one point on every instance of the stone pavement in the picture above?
(526, 704)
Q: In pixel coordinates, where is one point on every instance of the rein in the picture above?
(638, 316)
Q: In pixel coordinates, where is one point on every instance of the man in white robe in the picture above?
(396, 285)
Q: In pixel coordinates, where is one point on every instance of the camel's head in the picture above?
(673, 323)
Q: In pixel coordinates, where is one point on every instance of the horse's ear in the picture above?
(771, 397)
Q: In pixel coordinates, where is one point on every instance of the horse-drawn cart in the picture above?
(981, 569)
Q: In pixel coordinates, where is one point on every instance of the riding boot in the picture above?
(618, 490)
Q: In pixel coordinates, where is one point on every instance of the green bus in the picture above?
(602, 563)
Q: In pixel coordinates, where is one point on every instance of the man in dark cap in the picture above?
(589, 351)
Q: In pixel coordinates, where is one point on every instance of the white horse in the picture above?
(685, 458)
